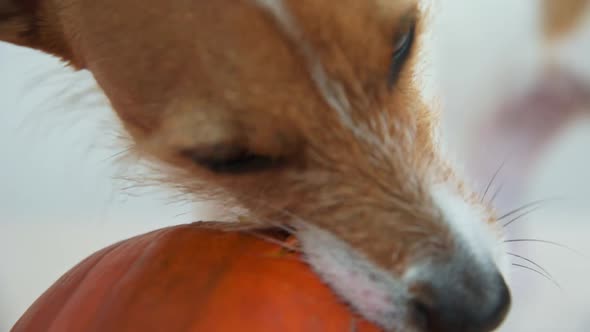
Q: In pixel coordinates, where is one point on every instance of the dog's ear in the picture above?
(18, 22)
(31, 23)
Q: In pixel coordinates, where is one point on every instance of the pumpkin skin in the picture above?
(191, 278)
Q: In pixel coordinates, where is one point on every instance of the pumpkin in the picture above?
(191, 278)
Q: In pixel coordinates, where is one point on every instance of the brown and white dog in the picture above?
(308, 116)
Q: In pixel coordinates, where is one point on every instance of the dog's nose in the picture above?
(471, 305)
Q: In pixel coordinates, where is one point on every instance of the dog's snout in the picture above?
(467, 304)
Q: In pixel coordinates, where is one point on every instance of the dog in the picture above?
(308, 117)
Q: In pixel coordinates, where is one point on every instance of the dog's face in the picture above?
(304, 112)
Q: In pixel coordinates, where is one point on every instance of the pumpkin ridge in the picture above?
(214, 279)
(91, 268)
(29, 318)
(141, 256)
(192, 279)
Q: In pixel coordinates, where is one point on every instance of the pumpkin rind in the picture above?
(191, 278)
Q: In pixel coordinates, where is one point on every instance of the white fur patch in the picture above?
(371, 291)
(469, 225)
(332, 92)
(281, 14)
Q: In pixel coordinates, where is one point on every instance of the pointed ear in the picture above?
(30, 23)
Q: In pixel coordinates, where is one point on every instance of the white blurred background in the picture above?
(61, 199)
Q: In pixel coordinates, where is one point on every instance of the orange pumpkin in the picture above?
(191, 278)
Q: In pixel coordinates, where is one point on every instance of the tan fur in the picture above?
(240, 81)
(239, 78)
(559, 17)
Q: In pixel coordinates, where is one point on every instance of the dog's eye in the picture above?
(230, 159)
(401, 51)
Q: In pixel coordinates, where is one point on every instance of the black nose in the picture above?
(473, 305)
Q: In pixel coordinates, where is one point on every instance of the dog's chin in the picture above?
(466, 292)
(373, 293)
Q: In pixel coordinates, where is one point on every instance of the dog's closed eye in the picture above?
(231, 159)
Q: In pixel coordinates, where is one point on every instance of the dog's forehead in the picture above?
(311, 12)
(383, 7)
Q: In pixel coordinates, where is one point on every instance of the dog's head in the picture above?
(306, 113)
